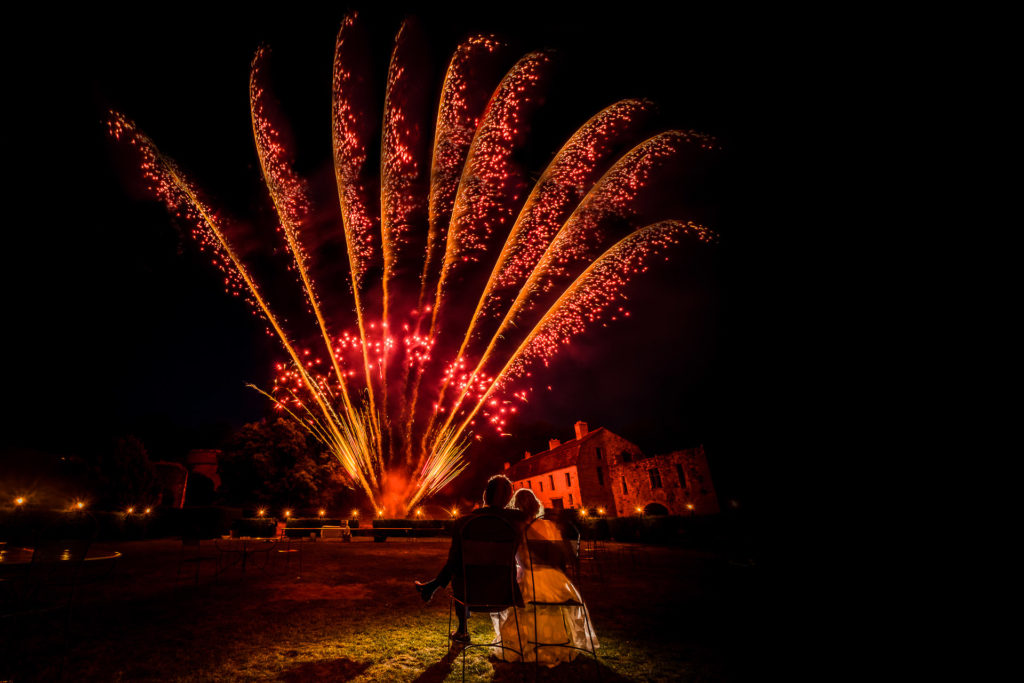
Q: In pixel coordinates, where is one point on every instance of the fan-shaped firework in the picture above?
(460, 275)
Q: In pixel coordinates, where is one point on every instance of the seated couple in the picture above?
(547, 583)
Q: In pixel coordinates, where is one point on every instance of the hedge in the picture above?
(22, 527)
(409, 523)
(254, 527)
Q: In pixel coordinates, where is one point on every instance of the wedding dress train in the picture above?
(554, 624)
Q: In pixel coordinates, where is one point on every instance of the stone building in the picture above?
(576, 473)
(601, 470)
(204, 461)
(678, 483)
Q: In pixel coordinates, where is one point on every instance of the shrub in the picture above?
(408, 523)
(593, 529)
(311, 522)
(625, 529)
(661, 529)
(22, 527)
(256, 527)
(206, 522)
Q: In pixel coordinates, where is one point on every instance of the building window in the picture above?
(600, 477)
(529, 486)
(682, 475)
(551, 480)
(625, 489)
(568, 480)
(599, 453)
(655, 478)
(541, 485)
(570, 500)
(627, 457)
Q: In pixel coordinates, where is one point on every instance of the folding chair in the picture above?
(556, 555)
(192, 553)
(590, 556)
(574, 541)
(288, 547)
(487, 582)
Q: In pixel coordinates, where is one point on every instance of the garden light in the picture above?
(20, 500)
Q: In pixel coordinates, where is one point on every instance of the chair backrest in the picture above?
(489, 545)
(571, 534)
(548, 552)
(63, 550)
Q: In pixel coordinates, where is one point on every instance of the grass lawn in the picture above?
(661, 614)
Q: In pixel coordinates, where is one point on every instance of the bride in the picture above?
(555, 624)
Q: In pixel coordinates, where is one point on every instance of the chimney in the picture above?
(581, 429)
(507, 465)
(527, 456)
(553, 444)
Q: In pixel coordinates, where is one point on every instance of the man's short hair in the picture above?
(498, 491)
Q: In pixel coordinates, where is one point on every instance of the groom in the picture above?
(497, 494)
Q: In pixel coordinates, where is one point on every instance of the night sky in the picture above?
(114, 324)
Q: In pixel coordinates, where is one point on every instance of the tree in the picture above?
(279, 464)
(124, 475)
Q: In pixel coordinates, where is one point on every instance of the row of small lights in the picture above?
(262, 512)
(79, 505)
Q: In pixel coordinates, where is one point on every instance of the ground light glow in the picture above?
(462, 273)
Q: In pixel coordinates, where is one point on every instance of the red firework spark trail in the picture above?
(566, 243)
(585, 232)
(289, 195)
(560, 188)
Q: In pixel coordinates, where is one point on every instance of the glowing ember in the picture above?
(461, 277)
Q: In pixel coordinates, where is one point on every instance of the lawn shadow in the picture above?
(583, 668)
(438, 671)
(580, 669)
(341, 669)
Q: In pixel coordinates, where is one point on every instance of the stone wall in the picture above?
(598, 492)
(694, 493)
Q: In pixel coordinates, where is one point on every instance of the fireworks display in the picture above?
(462, 271)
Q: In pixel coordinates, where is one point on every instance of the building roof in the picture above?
(559, 457)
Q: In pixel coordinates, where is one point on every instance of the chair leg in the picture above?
(448, 634)
(590, 639)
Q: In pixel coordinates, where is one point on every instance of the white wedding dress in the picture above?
(554, 624)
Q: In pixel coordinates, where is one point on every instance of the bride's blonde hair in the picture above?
(527, 501)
